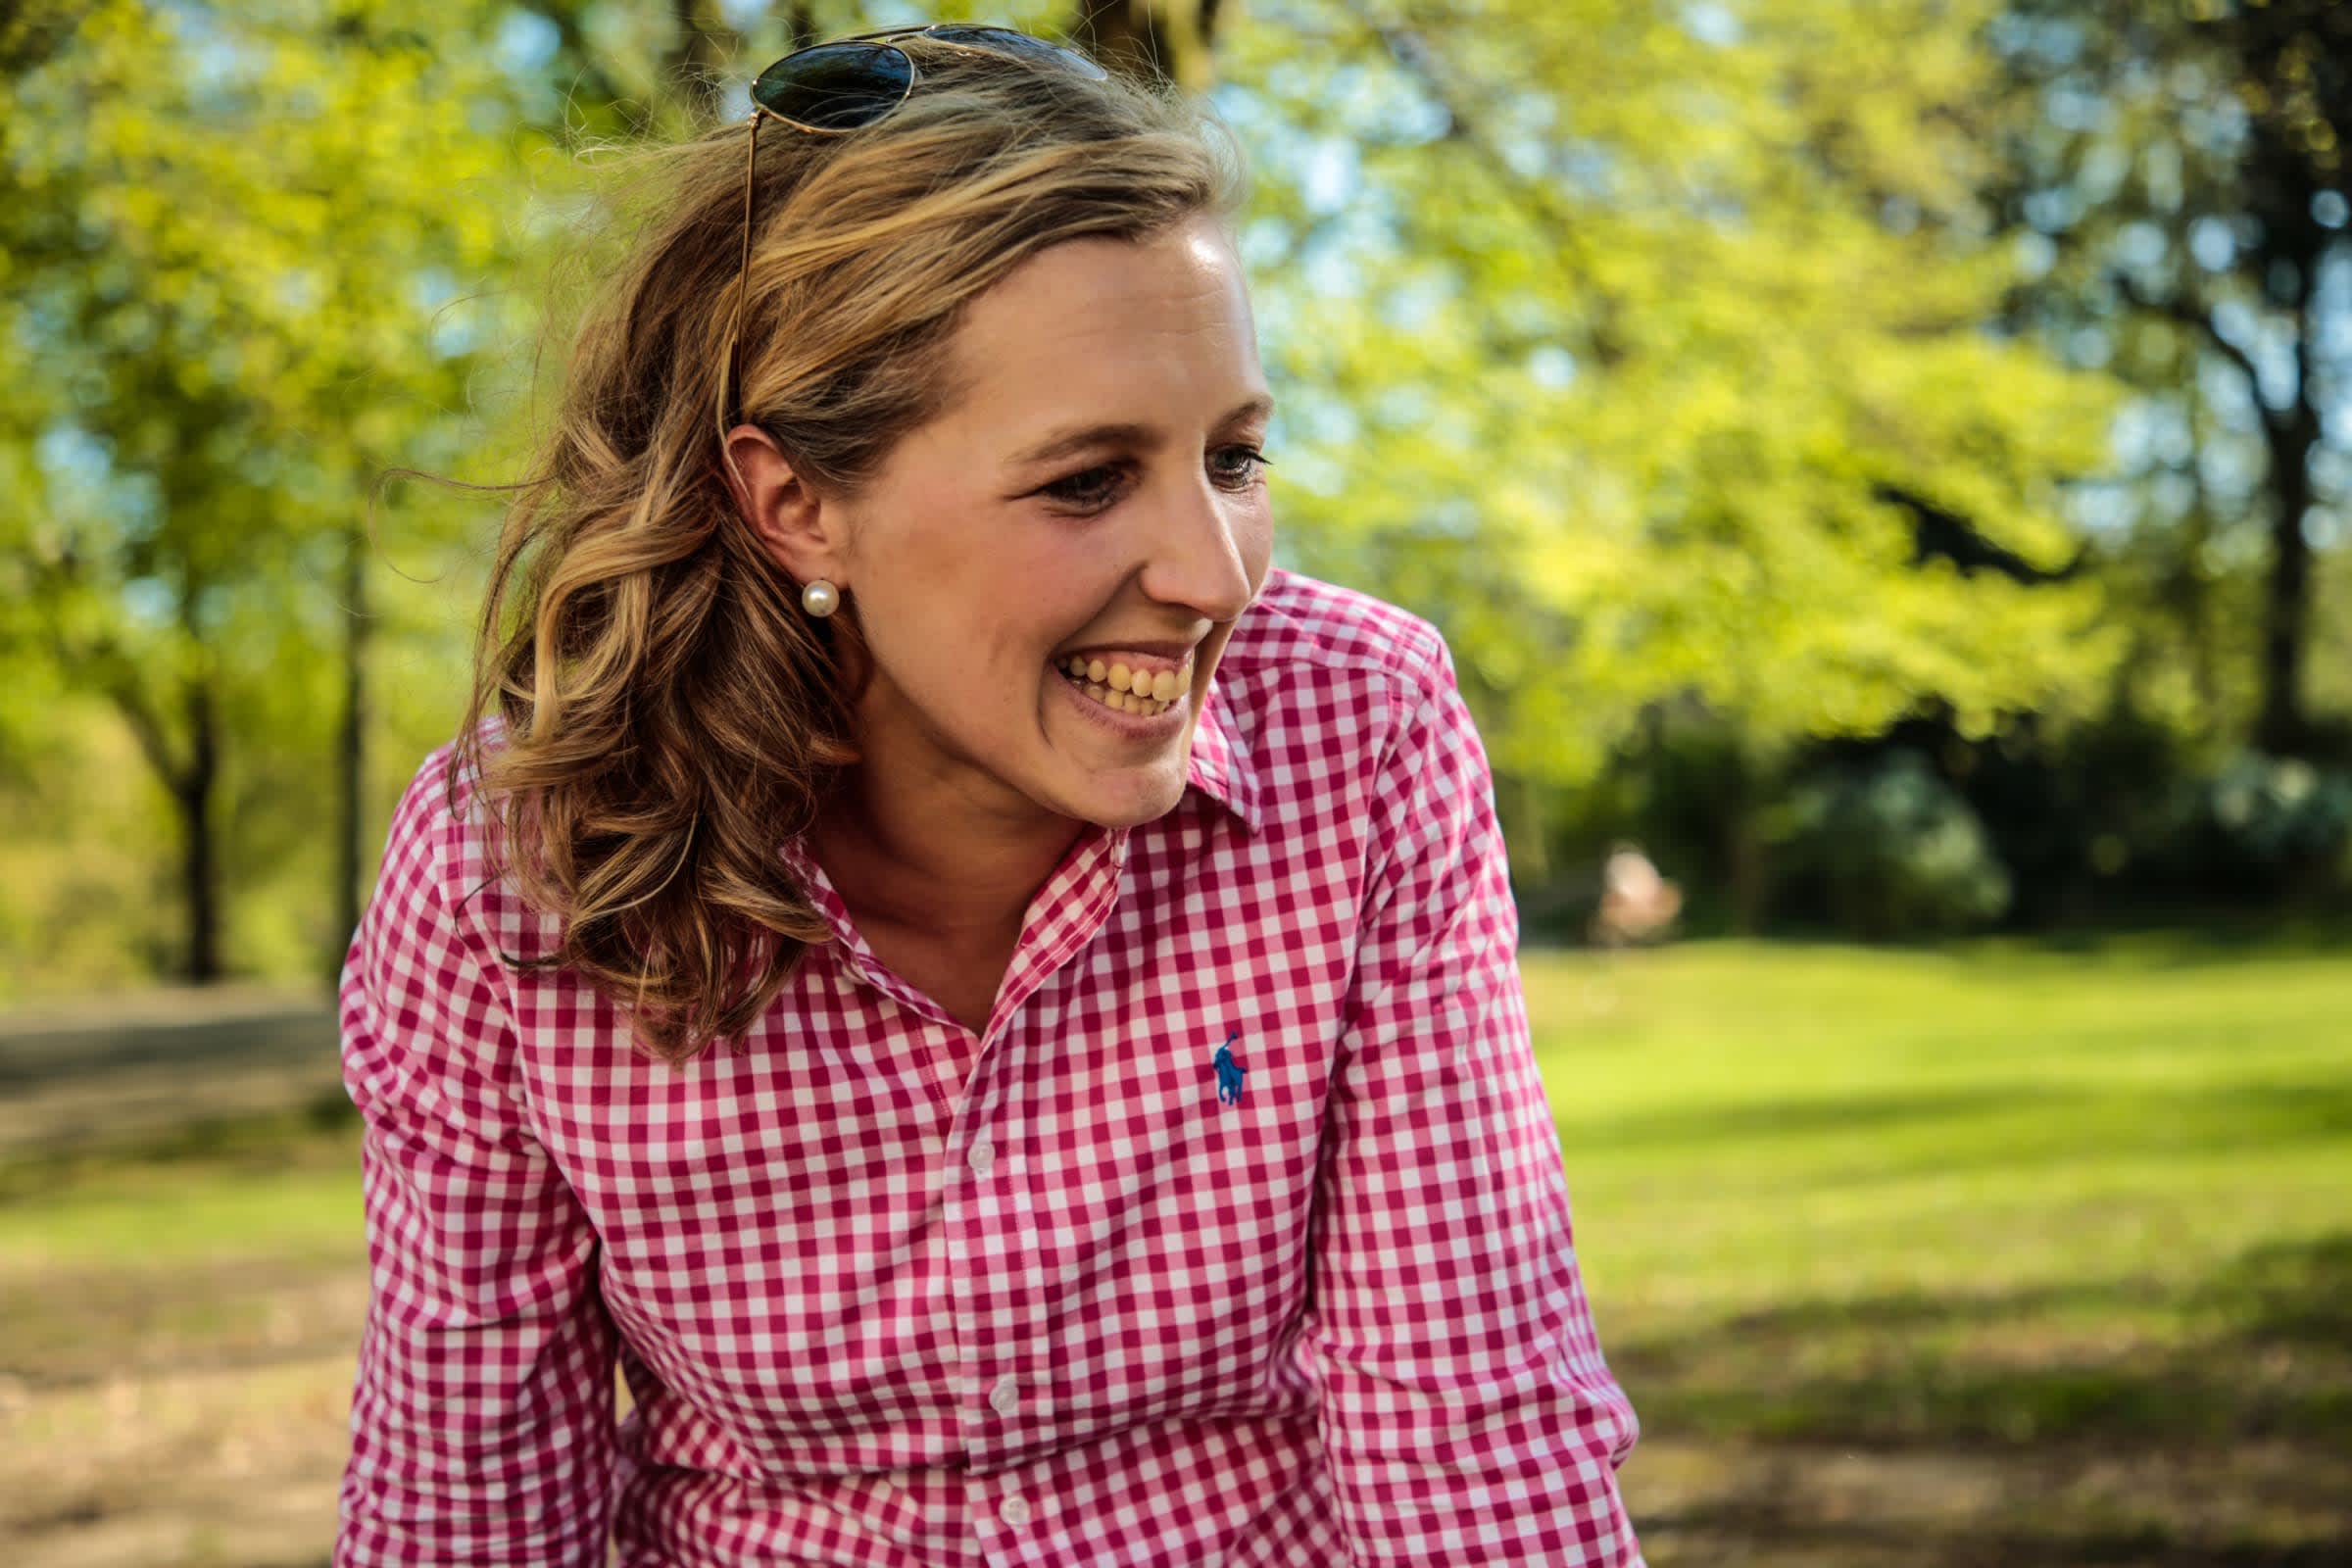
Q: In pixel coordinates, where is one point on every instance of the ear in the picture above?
(799, 530)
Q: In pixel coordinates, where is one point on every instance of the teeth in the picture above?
(1130, 691)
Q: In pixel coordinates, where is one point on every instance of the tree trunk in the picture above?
(1744, 844)
(351, 752)
(1519, 801)
(2282, 730)
(1151, 38)
(799, 24)
(699, 50)
(194, 794)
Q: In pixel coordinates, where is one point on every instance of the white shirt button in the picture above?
(1006, 1395)
(1013, 1510)
(982, 1156)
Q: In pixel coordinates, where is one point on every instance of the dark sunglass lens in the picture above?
(835, 87)
(1005, 41)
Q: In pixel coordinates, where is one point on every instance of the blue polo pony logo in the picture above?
(1229, 1071)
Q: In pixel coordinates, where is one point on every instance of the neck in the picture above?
(923, 856)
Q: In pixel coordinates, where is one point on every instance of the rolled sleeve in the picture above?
(482, 1413)
(1468, 1415)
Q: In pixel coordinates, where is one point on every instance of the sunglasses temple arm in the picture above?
(743, 287)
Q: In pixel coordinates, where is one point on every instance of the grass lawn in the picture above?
(1992, 1254)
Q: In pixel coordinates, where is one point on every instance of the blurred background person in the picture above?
(1637, 904)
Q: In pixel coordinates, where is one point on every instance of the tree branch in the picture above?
(2189, 316)
(105, 669)
(1407, 46)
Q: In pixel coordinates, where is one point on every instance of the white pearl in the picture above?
(820, 598)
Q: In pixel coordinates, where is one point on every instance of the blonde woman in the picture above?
(992, 1005)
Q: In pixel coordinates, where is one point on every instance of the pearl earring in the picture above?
(821, 599)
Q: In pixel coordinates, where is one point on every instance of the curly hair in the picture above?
(666, 713)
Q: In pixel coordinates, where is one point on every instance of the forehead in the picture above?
(1099, 325)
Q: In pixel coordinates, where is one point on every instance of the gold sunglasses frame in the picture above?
(743, 290)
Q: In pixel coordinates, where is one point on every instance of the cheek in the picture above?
(1253, 522)
(980, 622)
(932, 574)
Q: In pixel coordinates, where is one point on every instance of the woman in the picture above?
(995, 1006)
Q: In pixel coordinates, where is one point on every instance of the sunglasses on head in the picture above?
(829, 89)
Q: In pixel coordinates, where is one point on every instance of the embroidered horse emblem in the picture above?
(1229, 1071)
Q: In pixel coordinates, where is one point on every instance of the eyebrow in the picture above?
(1066, 442)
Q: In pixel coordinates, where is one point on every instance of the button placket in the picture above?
(1047, 1025)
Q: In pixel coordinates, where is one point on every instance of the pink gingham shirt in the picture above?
(1240, 1237)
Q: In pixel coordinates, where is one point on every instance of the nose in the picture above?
(1196, 553)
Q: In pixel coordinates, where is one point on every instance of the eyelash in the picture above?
(1086, 498)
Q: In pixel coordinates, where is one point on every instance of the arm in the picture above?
(1468, 1415)
(481, 1420)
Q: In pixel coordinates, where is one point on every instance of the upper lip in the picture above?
(1177, 652)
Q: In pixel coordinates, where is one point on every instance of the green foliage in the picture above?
(2174, 186)
(84, 857)
(1891, 849)
(1631, 355)
(2262, 829)
(241, 277)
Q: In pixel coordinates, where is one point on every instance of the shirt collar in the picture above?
(1067, 910)
(1219, 768)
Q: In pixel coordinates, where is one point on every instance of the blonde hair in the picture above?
(670, 715)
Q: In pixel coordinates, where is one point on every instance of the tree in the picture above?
(227, 272)
(1151, 38)
(1653, 350)
(2180, 188)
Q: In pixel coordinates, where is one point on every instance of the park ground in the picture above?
(1995, 1253)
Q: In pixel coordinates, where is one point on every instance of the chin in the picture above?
(1132, 807)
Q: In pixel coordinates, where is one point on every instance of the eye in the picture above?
(1089, 489)
(1251, 461)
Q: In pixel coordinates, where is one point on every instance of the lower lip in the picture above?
(1135, 726)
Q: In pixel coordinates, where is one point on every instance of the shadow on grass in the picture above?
(2189, 940)
(2283, 1306)
(1763, 1518)
(2266, 1357)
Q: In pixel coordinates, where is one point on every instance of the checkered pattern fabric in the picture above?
(1240, 1236)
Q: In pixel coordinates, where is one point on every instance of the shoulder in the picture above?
(437, 848)
(436, 824)
(428, 1008)
(1299, 622)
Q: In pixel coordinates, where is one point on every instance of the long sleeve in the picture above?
(482, 1414)
(1468, 1415)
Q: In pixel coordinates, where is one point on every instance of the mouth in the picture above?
(1126, 700)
